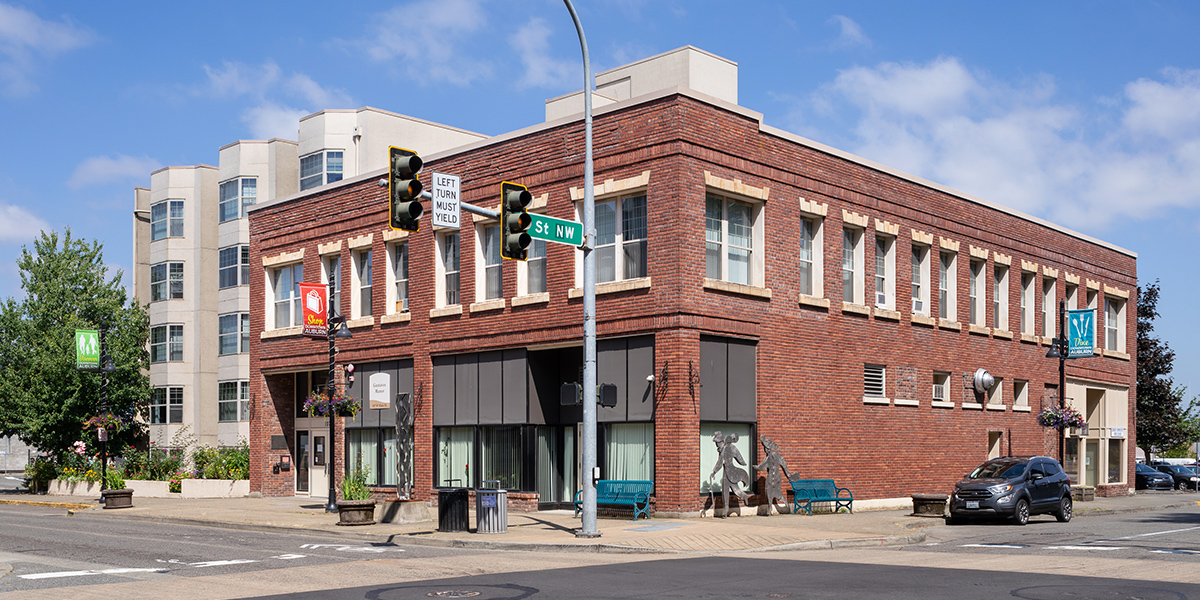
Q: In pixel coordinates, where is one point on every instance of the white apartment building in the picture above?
(191, 244)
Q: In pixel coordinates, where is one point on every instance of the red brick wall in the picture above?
(809, 359)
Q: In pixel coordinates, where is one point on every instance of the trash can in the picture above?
(491, 508)
(452, 509)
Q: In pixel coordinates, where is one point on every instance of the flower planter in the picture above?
(149, 488)
(117, 498)
(356, 512)
(214, 488)
(58, 487)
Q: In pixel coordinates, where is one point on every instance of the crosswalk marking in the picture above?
(82, 573)
(220, 563)
(994, 546)
(1085, 547)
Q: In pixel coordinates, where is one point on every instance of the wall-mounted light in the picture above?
(983, 381)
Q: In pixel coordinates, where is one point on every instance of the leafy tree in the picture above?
(44, 399)
(1162, 420)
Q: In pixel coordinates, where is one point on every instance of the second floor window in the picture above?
(1000, 298)
(233, 336)
(166, 219)
(233, 266)
(493, 280)
(851, 263)
(364, 277)
(806, 256)
(333, 281)
(233, 401)
(166, 343)
(624, 235)
(450, 268)
(920, 272)
(236, 196)
(320, 168)
(729, 240)
(286, 283)
(536, 264)
(975, 288)
(946, 286)
(166, 281)
(166, 405)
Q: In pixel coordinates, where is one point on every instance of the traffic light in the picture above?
(514, 220)
(404, 189)
(606, 395)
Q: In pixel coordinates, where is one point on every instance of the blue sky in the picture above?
(1084, 113)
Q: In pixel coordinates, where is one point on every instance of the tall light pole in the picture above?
(588, 528)
(106, 367)
(1058, 349)
(336, 330)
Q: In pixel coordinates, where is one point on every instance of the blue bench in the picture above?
(807, 491)
(613, 492)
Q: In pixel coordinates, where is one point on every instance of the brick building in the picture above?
(749, 281)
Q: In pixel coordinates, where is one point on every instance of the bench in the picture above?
(807, 491)
(612, 492)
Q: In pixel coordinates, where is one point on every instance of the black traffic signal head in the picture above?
(514, 220)
(569, 394)
(404, 189)
(606, 395)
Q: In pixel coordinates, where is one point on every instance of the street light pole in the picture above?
(1058, 349)
(588, 524)
(106, 367)
(336, 328)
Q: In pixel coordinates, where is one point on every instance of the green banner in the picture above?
(87, 349)
(1081, 333)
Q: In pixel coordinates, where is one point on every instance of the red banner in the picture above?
(314, 298)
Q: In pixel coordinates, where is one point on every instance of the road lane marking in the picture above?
(1168, 551)
(288, 556)
(346, 548)
(993, 546)
(220, 563)
(1086, 547)
(1130, 537)
(82, 573)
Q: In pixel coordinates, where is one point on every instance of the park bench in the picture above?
(612, 492)
(807, 491)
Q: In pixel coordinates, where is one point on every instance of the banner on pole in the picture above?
(87, 349)
(1081, 333)
(314, 298)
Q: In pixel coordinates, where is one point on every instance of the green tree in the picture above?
(44, 400)
(1162, 420)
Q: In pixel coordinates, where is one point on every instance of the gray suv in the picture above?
(1013, 486)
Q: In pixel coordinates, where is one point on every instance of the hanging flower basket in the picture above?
(320, 405)
(1060, 418)
(106, 421)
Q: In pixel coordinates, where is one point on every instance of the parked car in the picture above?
(1185, 478)
(1015, 487)
(1148, 478)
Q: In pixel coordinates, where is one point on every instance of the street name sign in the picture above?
(558, 231)
(447, 191)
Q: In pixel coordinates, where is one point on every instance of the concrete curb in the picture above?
(1120, 511)
(871, 542)
(49, 503)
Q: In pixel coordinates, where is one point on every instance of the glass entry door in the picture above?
(318, 475)
(302, 458)
(1091, 464)
(556, 465)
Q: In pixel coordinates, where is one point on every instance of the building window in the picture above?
(320, 168)
(1000, 298)
(626, 234)
(708, 449)
(500, 456)
(166, 281)
(920, 280)
(535, 268)
(885, 273)
(166, 343)
(1072, 295)
(234, 334)
(166, 219)
(233, 401)
(285, 281)
(874, 381)
(1048, 308)
(233, 266)
(1093, 300)
(810, 255)
(236, 196)
(1114, 317)
(373, 451)
(399, 275)
(1020, 392)
(361, 301)
(947, 286)
(333, 282)
(629, 451)
(996, 393)
(448, 264)
(1116, 462)
(729, 241)
(941, 387)
(489, 279)
(166, 405)
(976, 291)
(456, 449)
(1027, 303)
(852, 260)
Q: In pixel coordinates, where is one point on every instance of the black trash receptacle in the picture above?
(452, 510)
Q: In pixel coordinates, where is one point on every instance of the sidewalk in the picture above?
(554, 530)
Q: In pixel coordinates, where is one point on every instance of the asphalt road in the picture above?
(11, 481)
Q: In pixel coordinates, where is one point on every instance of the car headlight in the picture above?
(1000, 489)
(1005, 499)
(1196, 479)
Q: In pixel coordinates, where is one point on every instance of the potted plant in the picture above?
(107, 421)
(339, 404)
(1060, 418)
(356, 506)
(117, 495)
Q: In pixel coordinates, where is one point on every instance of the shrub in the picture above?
(39, 472)
(113, 480)
(354, 487)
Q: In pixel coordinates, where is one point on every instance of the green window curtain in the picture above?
(501, 456)
(363, 447)
(629, 451)
(456, 446)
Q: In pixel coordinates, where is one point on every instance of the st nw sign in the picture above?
(558, 231)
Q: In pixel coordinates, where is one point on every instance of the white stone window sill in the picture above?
(858, 309)
(804, 300)
(972, 406)
(360, 322)
(541, 298)
(278, 333)
(1002, 333)
(870, 400)
(612, 287)
(737, 288)
(948, 324)
(1022, 408)
(1115, 354)
(1030, 338)
(924, 320)
(445, 311)
(996, 407)
(403, 317)
(941, 404)
(487, 305)
(903, 402)
(887, 313)
(980, 330)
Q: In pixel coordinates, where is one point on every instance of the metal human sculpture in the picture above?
(403, 447)
(773, 464)
(731, 474)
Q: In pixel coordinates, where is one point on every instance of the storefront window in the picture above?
(362, 446)
(629, 451)
(1071, 459)
(500, 455)
(456, 446)
(1115, 464)
(708, 451)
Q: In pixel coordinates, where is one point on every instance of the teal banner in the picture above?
(1081, 333)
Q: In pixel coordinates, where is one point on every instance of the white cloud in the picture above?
(851, 34)
(428, 36)
(18, 225)
(1018, 145)
(531, 41)
(102, 170)
(273, 94)
(24, 37)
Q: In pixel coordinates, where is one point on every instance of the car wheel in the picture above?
(1021, 512)
(1182, 485)
(1064, 513)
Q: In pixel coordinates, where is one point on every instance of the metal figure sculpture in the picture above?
(731, 474)
(403, 446)
(773, 463)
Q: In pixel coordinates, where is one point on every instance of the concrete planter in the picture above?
(214, 488)
(58, 487)
(356, 512)
(118, 498)
(146, 488)
(929, 505)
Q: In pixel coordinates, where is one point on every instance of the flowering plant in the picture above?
(320, 405)
(107, 421)
(80, 448)
(1060, 418)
